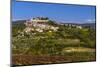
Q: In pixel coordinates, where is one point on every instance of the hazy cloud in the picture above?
(91, 20)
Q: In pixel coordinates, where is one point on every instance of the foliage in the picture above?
(49, 42)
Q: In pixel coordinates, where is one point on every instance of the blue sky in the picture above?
(57, 12)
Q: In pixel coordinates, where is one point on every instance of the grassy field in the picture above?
(48, 51)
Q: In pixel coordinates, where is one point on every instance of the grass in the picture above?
(47, 51)
(65, 45)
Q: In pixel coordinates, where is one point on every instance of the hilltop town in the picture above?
(41, 38)
(39, 24)
(44, 24)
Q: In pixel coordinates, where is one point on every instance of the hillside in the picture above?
(63, 44)
(91, 25)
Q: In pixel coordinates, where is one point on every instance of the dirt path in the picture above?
(78, 49)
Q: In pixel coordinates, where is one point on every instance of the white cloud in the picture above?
(91, 20)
